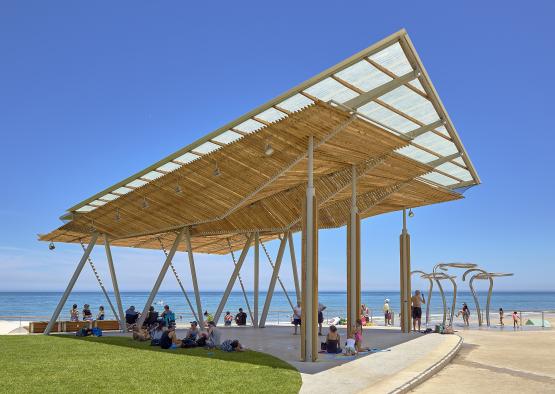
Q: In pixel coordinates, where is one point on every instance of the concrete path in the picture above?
(499, 361)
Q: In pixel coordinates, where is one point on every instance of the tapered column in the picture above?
(404, 251)
(194, 275)
(273, 281)
(160, 278)
(114, 282)
(309, 327)
(71, 283)
(256, 278)
(294, 267)
(233, 277)
(353, 259)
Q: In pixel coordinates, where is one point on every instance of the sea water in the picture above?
(40, 305)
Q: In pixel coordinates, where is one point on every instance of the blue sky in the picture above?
(93, 92)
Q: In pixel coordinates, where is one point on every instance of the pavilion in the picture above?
(365, 137)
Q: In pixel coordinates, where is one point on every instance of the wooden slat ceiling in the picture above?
(264, 193)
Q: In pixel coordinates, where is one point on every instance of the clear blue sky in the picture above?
(93, 92)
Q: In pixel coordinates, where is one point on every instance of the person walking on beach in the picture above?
(241, 318)
(297, 313)
(501, 316)
(387, 312)
(100, 315)
(74, 313)
(417, 300)
(516, 320)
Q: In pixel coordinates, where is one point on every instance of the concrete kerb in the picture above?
(430, 371)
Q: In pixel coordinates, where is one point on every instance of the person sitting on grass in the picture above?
(333, 341)
(87, 314)
(74, 313)
(140, 334)
(191, 336)
(156, 334)
(228, 318)
(232, 345)
(100, 315)
(213, 339)
(168, 339)
(131, 316)
(241, 318)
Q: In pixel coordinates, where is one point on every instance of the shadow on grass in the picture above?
(248, 356)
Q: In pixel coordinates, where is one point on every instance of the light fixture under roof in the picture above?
(145, 203)
(411, 213)
(118, 217)
(268, 150)
(178, 188)
(216, 171)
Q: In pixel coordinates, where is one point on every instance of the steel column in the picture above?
(257, 279)
(160, 278)
(194, 275)
(233, 277)
(405, 278)
(273, 281)
(71, 283)
(294, 266)
(114, 282)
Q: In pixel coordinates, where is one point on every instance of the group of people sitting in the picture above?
(353, 344)
(85, 313)
(165, 336)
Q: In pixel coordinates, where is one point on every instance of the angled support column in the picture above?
(404, 251)
(194, 275)
(294, 266)
(233, 277)
(256, 278)
(114, 282)
(71, 283)
(241, 283)
(273, 281)
(353, 259)
(309, 327)
(160, 278)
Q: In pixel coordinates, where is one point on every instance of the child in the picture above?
(100, 315)
(228, 318)
(358, 335)
(516, 319)
(74, 313)
(501, 316)
(350, 349)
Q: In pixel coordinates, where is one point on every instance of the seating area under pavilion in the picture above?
(365, 137)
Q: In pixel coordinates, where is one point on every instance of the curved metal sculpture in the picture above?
(475, 296)
(438, 277)
(445, 267)
(430, 288)
(490, 276)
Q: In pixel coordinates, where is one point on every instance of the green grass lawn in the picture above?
(39, 363)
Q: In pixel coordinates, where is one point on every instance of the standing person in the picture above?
(100, 315)
(417, 300)
(207, 318)
(297, 313)
(358, 335)
(516, 319)
(466, 314)
(241, 318)
(501, 316)
(87, 314)
(74, 313)
(387, 312)
(228, 318)
(321, 308)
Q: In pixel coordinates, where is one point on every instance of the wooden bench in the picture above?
(38, 327)
(107, 325)
(74, 326)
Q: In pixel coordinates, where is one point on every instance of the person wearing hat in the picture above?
(87, 314)
(387, 312)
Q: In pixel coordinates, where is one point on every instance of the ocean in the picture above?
(40, 305)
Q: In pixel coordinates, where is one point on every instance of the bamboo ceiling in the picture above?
(225, 205)
(377, 110)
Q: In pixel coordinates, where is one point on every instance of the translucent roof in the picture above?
(385, 84)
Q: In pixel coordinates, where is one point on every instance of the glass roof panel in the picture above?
(111, 197)
(389, 118)
(137, 183)
(330, 89)
(416, 83)
(443, 130)
(271, 115)
(98, 203)
(186, 158)
(393, 58)
(411, 104)
(295, 103)
(459, 160)
(364, 76)
(439, 178)
(152, 175)
(227, 137)
(436, 143)
(86, 208)
(122, 190)
(206, 148)
(416, 154)
(168, 167)
(249, 126)
(456, 171)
